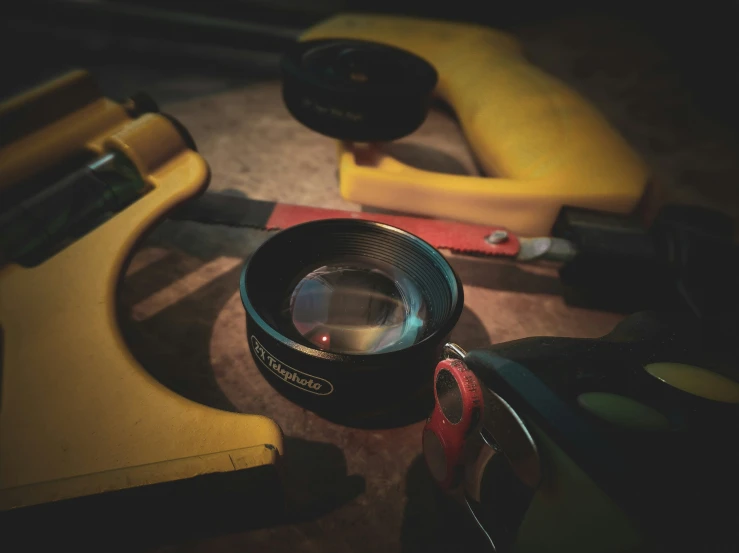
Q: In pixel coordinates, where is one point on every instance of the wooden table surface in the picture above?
(368, 490)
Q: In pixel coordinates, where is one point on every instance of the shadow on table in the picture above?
(311, 482)
(425, 157)
(502, 274)
(315, 480)
(167, 308)
(173, 344)
(432, 522)
(470, 332)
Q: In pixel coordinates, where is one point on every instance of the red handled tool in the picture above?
(473, 442)
(457, 412)
(236, 211)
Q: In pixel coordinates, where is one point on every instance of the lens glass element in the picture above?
(358, 307)
(450, 397)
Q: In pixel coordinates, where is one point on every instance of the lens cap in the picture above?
(357, 90)
(347, 317)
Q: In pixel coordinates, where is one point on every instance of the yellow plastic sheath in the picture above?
(696, 380)
(567, 499)
(53, 122)
(78, 414)
(545, 145)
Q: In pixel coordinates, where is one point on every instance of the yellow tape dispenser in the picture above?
(78, 415)
(542, 145)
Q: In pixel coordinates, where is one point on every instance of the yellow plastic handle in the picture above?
(52, 123)
(543, 145)
(78, 414)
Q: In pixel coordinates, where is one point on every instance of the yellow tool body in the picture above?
(78, 414)
(542, 144)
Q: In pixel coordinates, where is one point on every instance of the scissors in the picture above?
(476, 446)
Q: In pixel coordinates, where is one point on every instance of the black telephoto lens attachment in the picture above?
(347, 318)
(355, 89)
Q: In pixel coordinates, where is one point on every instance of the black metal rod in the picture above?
(161, 24)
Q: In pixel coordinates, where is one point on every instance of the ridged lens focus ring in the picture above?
(347, 317)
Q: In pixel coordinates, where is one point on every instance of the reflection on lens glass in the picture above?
(433, 451)
(450, 397)
(358, 308)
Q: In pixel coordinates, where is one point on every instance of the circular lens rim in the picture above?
(444, 329)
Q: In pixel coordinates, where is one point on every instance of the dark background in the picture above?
(664, 76)
(40, 36)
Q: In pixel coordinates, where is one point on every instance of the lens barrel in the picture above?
(355, 89)
(347, 318)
